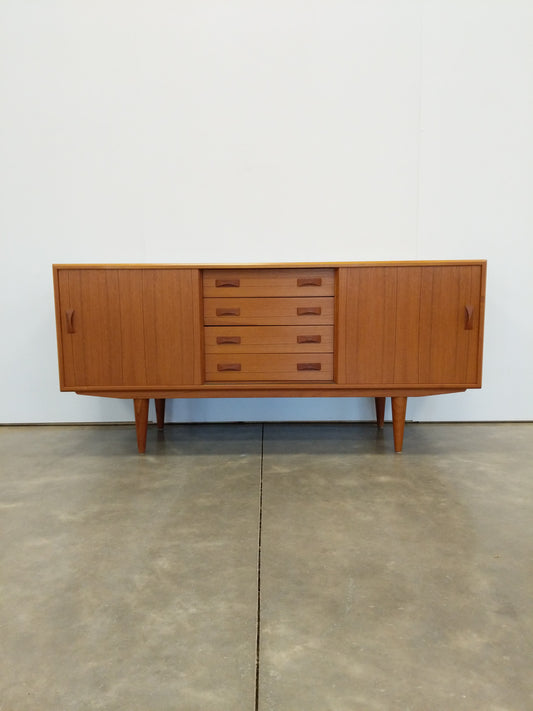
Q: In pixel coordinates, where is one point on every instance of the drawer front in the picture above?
(260, 367)
(268, 339)
(268, 282)
(269, 311)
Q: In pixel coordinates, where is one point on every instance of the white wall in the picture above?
(238, 130)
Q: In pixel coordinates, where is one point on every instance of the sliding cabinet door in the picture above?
(410, 325)
(122, 327)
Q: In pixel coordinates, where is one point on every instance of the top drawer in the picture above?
(268, 282)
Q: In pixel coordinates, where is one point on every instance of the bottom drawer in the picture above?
(269, 367)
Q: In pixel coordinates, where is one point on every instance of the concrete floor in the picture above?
(276, 568)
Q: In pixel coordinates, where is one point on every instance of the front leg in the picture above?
(399, 405)
(140, 406)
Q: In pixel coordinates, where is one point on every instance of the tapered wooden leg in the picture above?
(141, 422)
(380, 411)
(160, 412)
(399, 405)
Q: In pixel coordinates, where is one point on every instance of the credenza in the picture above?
(373, 329)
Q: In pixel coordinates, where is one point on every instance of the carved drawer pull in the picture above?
(70, 321)
(227, 282)
(228, 366)
(309, 366)
(309, 339)
(228, 312)
(469, 318)
(309, 281)
(309, 311)
(221, 340)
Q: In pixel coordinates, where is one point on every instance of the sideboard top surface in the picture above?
(276, 265)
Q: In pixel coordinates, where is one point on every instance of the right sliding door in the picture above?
(413, 325)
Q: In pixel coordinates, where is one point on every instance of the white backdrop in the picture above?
(288, 130)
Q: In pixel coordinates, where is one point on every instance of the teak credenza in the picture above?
(377, 329)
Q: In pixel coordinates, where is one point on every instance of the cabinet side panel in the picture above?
(475, 347)
(481, 315)
(172, 326)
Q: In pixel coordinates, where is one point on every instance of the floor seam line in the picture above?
(260, 525)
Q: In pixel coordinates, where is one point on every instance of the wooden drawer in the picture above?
(268, 339)
(269, 311)
(268, 282)
(269, 367)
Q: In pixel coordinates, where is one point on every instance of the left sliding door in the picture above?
(128, 327)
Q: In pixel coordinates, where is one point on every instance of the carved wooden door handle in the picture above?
(69, 313)
(469, 318)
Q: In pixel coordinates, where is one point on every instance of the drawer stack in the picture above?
(268, 324)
